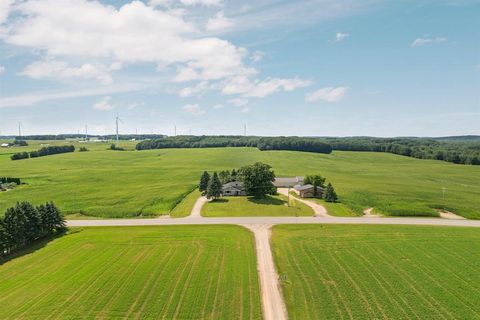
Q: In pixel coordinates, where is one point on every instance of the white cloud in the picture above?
(5, 7)
(61, 70)
(219, 23)
(189, 91)
(104, 104)
(328, 94)
(340, 36)
(28, 99)
(206, 3)
(193, 109)
(2, 69)
(218, 106)
(422, 41)
(238, 102)
(260, 89)
(257, 56)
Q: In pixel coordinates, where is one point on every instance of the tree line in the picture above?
(328, 191)
(45, 151)
(460, 151)
(262, 143)
(24, 223)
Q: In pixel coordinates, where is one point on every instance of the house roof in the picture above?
(232, 184)
(304, 187)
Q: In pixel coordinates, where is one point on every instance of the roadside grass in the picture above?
(271, 206)
(116, 184)
(172, 272)
(374, 271)
(336, 209)
(184, 208)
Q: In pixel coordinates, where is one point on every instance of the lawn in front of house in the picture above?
(270, 206)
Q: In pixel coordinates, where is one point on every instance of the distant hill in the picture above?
(459, 138)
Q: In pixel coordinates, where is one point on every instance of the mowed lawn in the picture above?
(270, 206)
(167, 272)
(379, 272)
(132, 183)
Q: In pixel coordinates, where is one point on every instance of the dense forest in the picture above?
(262, 143)
(462, 151)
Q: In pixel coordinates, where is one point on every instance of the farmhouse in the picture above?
(287, 182)
(5, 145)
(307, 191)
(234, 188)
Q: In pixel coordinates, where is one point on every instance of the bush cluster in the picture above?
(10, 180)
(45, 151)
(25, 223)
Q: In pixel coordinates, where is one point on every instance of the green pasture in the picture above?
(271, 206)
(168, 272)
(378, 272)
(132, 183)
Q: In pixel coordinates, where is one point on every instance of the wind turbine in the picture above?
(116, 122)
(19, 130)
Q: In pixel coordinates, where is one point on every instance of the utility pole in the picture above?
(245, 129)
(86, 132)
(174, 130)
(443, 195)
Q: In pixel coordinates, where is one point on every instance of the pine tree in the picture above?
(57, 219)
(330, 195)
(204, 180)
(214, 189)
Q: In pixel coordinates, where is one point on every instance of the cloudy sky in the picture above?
(306, 67)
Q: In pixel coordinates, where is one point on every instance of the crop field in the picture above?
(132, 183)
(378, 272)
(148, 272)
(271, 206)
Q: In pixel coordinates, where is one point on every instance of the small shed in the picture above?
(307, 191)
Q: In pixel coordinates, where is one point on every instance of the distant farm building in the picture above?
(287, 182)
(234, 188)
(307, 191)
(5, 145)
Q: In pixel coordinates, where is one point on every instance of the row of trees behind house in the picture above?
(45, 151)
(257, 181)
(25, 223)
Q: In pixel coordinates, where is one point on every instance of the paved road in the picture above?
(272, 300)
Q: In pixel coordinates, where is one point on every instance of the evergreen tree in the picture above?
(4, 240)
(58, 220)
(224, 176)
(214, 189)
(204, 180)
(330, 195)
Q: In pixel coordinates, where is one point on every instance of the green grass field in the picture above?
(144, 183)
(136, 272)
(378, 272)
(271, 206)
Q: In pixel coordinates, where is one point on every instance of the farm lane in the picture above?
(320, 211)
(272, 299)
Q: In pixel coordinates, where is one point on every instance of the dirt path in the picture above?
(319, 210)
(449, 215)
(272, 299)
(367, 213)
(197, 208)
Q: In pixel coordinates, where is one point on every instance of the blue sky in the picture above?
(307, 67)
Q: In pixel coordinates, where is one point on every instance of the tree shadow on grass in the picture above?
(219, 200)
(268, 200)
(31, 248)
